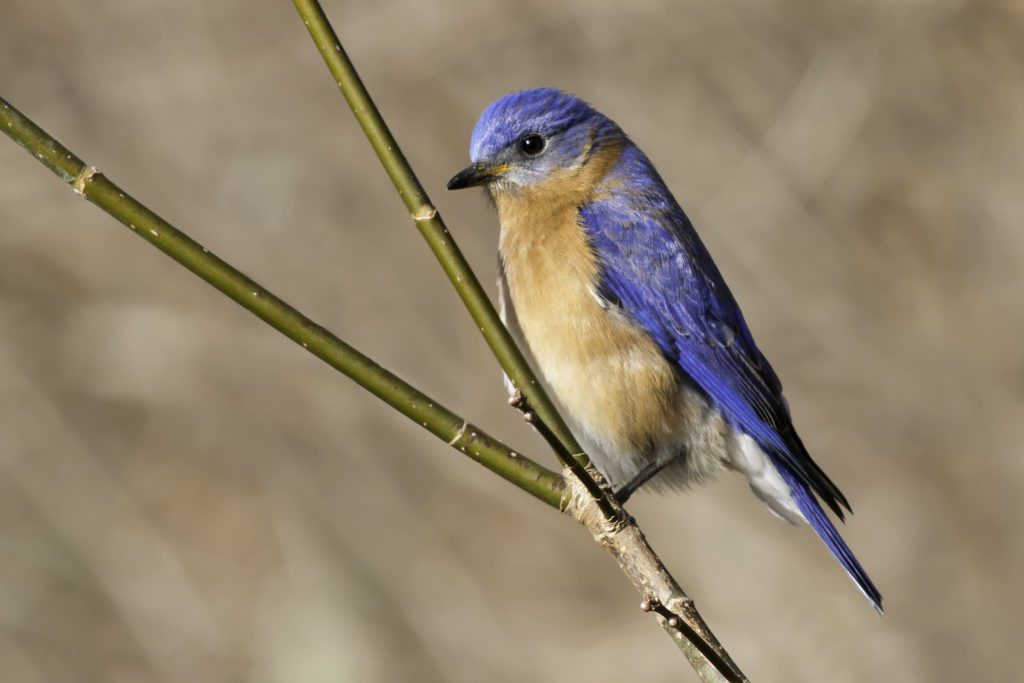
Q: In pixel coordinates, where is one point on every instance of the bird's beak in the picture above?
(474, 175)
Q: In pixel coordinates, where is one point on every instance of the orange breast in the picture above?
(607, 374)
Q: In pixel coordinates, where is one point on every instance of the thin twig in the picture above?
(433, 229)
(677, 614)
(522, 404)
(536, 480)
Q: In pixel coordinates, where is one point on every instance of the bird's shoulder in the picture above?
(653, 262)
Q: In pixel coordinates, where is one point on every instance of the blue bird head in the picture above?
(524, 137)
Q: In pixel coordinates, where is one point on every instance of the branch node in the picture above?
(84, 176)
(579, 504)
(459, 434)
(424, 213)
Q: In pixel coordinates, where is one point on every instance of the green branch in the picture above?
(433, 229)
(536, 480)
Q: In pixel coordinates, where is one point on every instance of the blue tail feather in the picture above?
(821, 524)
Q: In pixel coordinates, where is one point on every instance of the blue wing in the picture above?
(657, 271)
(655, 268)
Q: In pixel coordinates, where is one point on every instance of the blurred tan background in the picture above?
(185, 496)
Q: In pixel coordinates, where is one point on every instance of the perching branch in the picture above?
(589, 503)
(536, 480)
(599, 512)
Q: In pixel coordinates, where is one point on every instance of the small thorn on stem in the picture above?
(518, 401)
(652, 604)
(522, 404)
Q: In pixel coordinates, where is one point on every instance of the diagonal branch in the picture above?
(88, 182)
(589, 502)
(433, 229)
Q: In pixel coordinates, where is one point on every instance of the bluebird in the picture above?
(620, 309)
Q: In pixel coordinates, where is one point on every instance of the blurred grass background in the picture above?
(185, 496)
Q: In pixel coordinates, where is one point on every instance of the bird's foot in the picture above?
(649, 471)
(627, 491)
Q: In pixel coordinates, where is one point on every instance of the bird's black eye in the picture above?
(532, 145)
